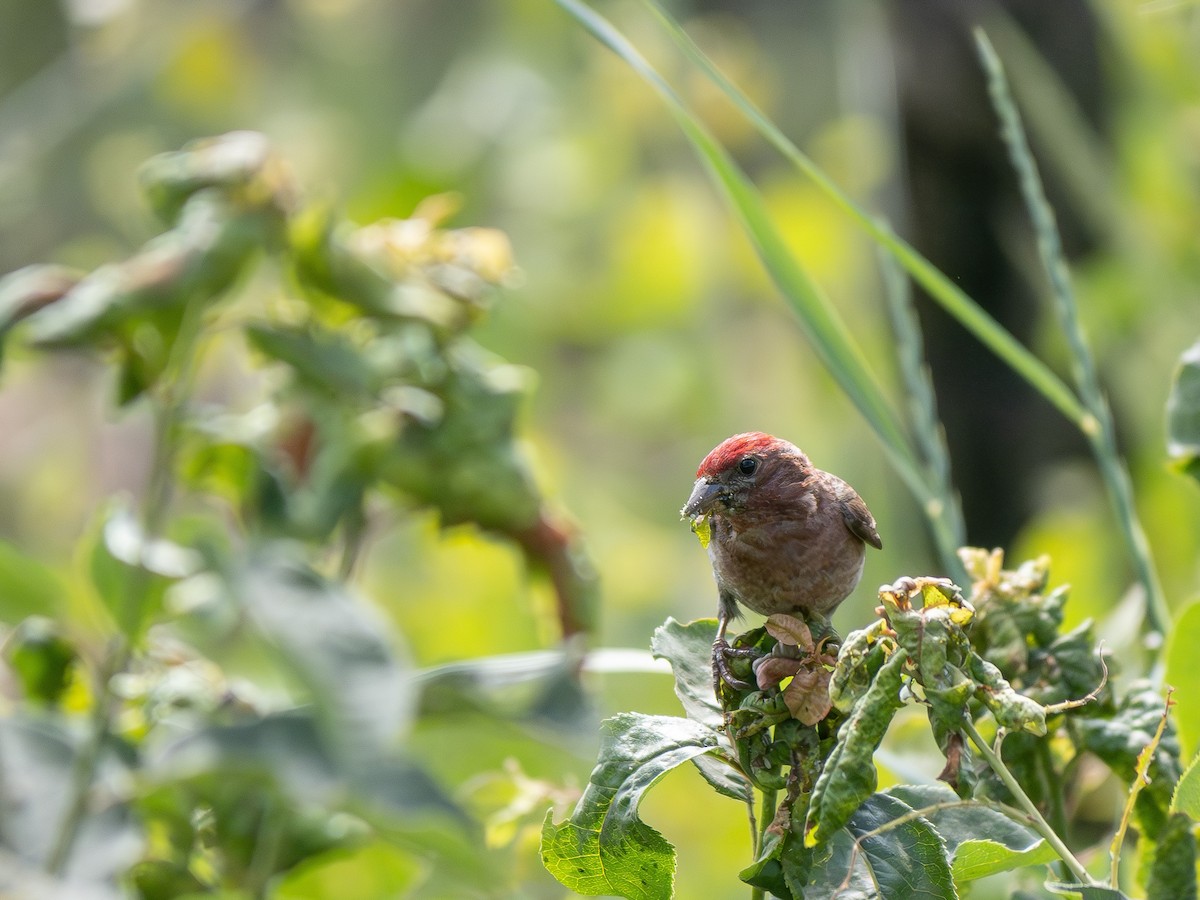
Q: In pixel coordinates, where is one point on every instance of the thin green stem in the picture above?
(943, 510)
(1027, 805)
(174, 385)
(1098, 425)
(766, 815)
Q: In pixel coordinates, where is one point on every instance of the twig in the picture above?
(1140, 780)
(1035, 818)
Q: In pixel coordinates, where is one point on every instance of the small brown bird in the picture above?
(785, 537)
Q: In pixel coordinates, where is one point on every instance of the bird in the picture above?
(784, 536)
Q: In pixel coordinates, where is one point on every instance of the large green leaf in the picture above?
(339, 648)
(980, 840)
(1173, 863)
(1184, 675)
(37, 763)
(688, 648)
(1183, 413)
(604, 848)
(893, 858)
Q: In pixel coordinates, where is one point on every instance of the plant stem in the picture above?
(766, 815)
(174, 383)
(1097, 426)
(1039, 823)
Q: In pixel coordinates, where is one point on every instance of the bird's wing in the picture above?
(858, 518)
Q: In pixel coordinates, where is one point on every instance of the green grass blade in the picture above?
(829, 336)
(947, 294)
(1099, 431)
(945, 511)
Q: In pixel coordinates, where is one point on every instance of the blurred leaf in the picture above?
(540, 687)
(283, 749)
(604, 848)
(130, 573)
(324, 360)
(27, 587)
(374, 871)
(1184, 675)
(25, 291)
(37, 760)
(1183, 414)
(980, 840)
(198, 259)
(41, 658)
(339, 648)
(1173, 866)
(240, 160)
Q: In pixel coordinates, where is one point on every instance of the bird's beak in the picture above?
(704, 494)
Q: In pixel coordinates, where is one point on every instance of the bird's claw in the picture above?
(722, 653)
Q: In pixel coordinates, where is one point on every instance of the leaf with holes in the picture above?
(604, 848)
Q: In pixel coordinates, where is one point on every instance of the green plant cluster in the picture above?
(239, 720)
(1014, 702)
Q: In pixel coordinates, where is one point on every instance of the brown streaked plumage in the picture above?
(786, 537)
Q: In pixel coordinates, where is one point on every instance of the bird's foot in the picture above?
(722, 655)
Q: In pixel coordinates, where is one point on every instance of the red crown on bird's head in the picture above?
(732, 449)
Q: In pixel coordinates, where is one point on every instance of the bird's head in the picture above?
(728, 476)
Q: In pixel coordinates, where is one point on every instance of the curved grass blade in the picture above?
(819, 319)
(1098, 425)
(947, 294)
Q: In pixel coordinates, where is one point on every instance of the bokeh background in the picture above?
(641, 308)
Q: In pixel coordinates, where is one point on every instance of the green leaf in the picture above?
(688, 648)
(131, 572)
(1186, 798)
(849, 776)
(321, 359)
(980, 840)
(604, 848)
(1119, 740)
(37, 759)
(1184, 675)
(1173, 866)
(27, 587)
(374, 871)
(1183, 413)
(338, 647)
(42, 658)
(894, 859)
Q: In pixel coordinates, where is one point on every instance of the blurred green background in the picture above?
(642, 309)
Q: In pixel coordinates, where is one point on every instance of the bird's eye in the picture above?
(748, 465)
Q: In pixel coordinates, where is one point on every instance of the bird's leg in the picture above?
(721, 654)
